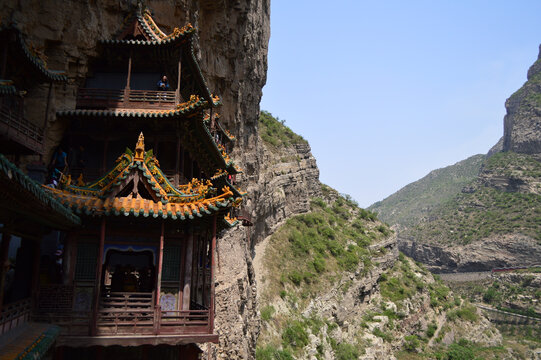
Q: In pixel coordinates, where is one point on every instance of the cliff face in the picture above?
(522, 124)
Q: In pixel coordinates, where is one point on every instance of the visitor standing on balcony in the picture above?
(59, 165)
(163, 84)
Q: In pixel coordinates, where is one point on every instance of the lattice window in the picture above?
(85, 267)
(171, 263)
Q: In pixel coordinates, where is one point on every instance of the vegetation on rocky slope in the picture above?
(517, 292)
(275, 133)
(486, 210)
(310, 250)
(324, 260)
(415, 201)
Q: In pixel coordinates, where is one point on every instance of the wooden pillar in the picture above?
(160, 265)
(205, 263)
(182, 155)
(97, 285)
(104, 160)
(186, 292)
(34, 293)
(46, 117)
(4, 265)
(195, 264)
(59, 353)
(177, 161)
(212, 274)
(4, 61)
(70, 254)
(212, 122)
(178, 77)
(182, 267)
(128, 79)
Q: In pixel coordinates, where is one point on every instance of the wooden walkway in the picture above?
(27, 341)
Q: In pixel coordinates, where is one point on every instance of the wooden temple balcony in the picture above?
(152, 321)
(14, 315)
(126, 99)
(126, 314)
(23, 135)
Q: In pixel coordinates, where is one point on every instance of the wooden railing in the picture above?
(14, 314)
(126, 301)
(71, 323)
(130, 314)
(16, 127)
(126, 99)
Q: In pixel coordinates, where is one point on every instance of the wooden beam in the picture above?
(4, 264)
(212, 274)
(186, 293)
(97, 285)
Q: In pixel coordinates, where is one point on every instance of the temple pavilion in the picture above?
(151, 183)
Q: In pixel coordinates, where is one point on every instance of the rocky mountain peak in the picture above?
(522, 123)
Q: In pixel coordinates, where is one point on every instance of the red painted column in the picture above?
(187, 283)
(212, 274)
(97, 286)
(160, 265)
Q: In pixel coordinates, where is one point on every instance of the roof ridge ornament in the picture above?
(140, 148)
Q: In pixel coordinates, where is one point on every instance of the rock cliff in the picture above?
(522, 124)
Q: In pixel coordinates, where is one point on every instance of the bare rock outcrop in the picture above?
(522, 124)
(495, 251)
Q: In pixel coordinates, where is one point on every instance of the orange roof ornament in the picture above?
(140, 148)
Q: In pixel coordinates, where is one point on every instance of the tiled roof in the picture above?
(193, 105)
(7, 88)
(102, 197)
(95, 206)
(157, 36)
(34, 58)
(35, 192)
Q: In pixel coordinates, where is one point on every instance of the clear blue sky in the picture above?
(386, 91)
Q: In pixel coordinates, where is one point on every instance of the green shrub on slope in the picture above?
(275, 133)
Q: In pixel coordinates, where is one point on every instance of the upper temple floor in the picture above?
(129, 72)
